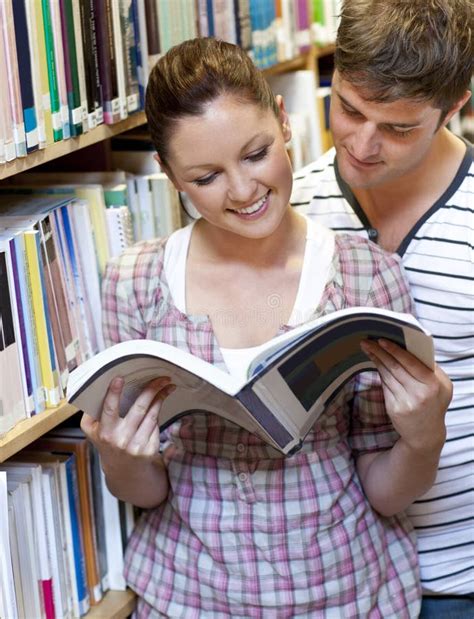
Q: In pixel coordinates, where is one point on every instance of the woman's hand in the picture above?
(416, 398)
(129, 445)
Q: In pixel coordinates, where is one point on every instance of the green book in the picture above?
(52, 74)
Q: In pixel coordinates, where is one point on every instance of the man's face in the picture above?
(378, 143)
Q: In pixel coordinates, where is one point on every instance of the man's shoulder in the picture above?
(321, 167)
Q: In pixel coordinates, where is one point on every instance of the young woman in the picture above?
(234, 529)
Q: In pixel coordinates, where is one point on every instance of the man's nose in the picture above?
(366, 143)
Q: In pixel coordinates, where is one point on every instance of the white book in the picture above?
(33, 471)
(119, 225)
(298, 89)
(113, 539)
(146, 214)
(8, 604)
(88, 269)
(119, 59)
(19, 488)
(288, 384)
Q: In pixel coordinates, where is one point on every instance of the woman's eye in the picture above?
(258, 155)
(207, 180)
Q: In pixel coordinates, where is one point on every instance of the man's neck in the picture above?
(395, 207)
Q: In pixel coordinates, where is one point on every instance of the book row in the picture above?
(69, 65)
(62, 533)
(55, 241)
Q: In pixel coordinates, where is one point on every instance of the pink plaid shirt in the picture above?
(249, 533)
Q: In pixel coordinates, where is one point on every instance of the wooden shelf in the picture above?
(114, 605)
(65, 147)
(28, 430)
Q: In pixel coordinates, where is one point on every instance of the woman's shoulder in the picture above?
(369, 275)
(358, 253)
(138, 260)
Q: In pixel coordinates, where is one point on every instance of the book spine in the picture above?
(88, 345)
(106, 59)
(53, 313)
(140, 44)
(16, 107)
(26, 81)
(71, 67)
(52, 540)
(81, 69)
(39, 391)
(39, 73)
(46, 360)
(77, 535)
(119, 58)
(129, 56)
(7, 141)
(13, 404)
(60, 66)
(52, 73)
(29, 398)
(152, 31)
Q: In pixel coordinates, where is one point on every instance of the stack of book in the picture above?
(55, 241)
(62, 533)
(70, 65)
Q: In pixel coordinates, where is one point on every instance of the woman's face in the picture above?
(232, 163)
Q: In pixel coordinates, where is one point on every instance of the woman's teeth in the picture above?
(254, 208)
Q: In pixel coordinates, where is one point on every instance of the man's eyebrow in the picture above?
(394, 124)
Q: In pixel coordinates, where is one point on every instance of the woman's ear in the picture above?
(283, 118)
(164, 168)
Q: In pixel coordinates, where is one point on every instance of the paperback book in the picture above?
(288, 385)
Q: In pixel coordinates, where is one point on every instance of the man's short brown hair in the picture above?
(420, 49)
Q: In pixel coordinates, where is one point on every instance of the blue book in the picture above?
(39, 395)
(77, 535)
(210, 18)
(21, 322)
(26, 79)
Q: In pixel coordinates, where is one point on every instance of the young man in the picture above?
(400, 177)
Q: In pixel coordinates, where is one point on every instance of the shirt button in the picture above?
(241, 447)
(243, 477)
(373, 234)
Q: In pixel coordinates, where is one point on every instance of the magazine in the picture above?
(289, 383)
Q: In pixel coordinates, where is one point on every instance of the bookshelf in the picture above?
(115, 604)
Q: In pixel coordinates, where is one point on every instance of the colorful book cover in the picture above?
(49, 374)
(60, 66)
(24, 302)
(39, 73)
(71, 67)
(26, 79)
(14, 92)
(7, 141)
(77, 534)
(107, 61)
(91, 62)
(52, 72)
(22, 330)
(12, 405)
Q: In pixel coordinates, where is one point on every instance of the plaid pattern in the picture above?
(246, 532)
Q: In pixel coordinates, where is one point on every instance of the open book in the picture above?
(288, 385)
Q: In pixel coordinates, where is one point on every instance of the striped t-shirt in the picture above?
(438, 256)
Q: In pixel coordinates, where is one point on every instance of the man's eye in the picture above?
(261, 154)
(402, 133)
(349, 111)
